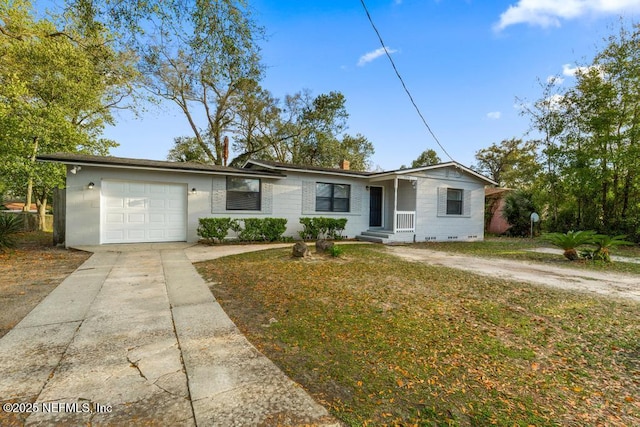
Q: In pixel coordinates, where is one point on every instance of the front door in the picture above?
(375, 206)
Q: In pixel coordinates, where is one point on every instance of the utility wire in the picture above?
(393, 64)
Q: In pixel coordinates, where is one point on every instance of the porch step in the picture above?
(378, 233)
(375, 236)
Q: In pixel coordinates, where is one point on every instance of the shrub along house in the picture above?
(121, 200)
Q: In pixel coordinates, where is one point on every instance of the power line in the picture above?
(393, 64)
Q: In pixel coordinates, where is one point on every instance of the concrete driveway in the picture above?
(135, 337)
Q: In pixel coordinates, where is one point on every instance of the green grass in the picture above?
(381, 341)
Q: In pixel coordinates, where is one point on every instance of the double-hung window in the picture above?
(332, 197)
(243, 194)
(454, 201)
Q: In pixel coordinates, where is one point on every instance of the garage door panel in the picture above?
(157, 190)
(113, 202)
(159, 204)
(158, 218)
(115, 218)
(114, 235)
(133, 188)
(136, 218)
(137, 203)
(143, 212)
(136, 235)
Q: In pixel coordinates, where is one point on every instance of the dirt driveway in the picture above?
(610, 284)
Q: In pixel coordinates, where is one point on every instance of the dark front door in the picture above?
(375, 206)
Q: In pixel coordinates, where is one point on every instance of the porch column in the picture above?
(395, 203)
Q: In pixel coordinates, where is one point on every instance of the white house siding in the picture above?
(431, 226)
(290, 197)
(293, 197)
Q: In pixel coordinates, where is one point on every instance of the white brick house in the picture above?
(120, 200)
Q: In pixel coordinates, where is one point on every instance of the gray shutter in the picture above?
(267, 197)
(356, 199)
(442, 201)
(466, 202)
(308, 197)
(218, 195)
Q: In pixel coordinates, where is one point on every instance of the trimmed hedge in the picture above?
(263, 229)
(255, 229)
(216, 229)
(322, 228)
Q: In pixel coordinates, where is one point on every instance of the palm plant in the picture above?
(604, 243)
(570, 240)
(9, 225)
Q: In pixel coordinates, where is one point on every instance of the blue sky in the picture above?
(464, 61)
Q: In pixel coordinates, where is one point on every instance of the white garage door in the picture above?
(143, 212)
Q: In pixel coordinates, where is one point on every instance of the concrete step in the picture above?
(372, 239)
(385, 234)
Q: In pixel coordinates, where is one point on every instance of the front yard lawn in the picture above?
(381, 341)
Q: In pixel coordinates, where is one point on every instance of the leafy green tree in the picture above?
(512, 163)
(591, 142)
(187, 149)
(199, 55)
(548, 120)
(426, 158)
(303, 130)
(59, 81)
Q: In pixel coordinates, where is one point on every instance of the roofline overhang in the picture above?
(352, 174)
(239, 172)
(400, 172)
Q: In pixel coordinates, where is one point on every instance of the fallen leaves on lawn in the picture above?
(387, 342)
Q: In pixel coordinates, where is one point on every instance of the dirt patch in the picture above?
(595, 282)
(29, 273)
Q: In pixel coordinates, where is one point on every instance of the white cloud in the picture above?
(554, 102)
(568, 71)
(548, 13)
(370, 56)
(494, 115)
(555, 80)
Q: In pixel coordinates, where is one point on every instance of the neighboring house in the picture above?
(119, 200)
(18, 207)
(494, 221)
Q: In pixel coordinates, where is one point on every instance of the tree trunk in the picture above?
(27, 202)
(42, 212)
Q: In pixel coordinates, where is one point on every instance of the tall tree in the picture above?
(512, 163)
(301, 129)
(591, 142)
(549, 121)
(59, 81)
(201, 55)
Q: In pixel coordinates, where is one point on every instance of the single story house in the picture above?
(122, 200)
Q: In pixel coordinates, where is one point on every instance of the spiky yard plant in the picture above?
(9, 225)
(570, 240)
(604, 243)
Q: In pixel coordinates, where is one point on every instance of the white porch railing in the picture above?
(405, 221)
